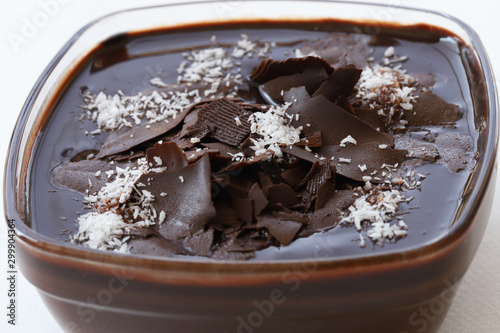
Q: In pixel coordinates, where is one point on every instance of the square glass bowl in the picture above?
(93, 291)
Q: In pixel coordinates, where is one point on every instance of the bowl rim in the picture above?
(42, 244)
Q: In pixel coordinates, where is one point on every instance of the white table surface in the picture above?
(477, 305)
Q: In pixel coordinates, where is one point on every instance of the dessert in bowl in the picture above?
(239, 171)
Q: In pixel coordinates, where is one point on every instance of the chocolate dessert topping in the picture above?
(272, 69)
(181, 198)
(242, 154)
(226, 122)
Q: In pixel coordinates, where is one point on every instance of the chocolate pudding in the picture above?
(259, 141)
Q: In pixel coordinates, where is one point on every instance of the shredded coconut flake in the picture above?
(387, 89)
(158, 82)
(389, 52)
(112, 112)
(158, 160)
(348, 139)
(274, 129)
(162, 217)
(100, 231)
(377, 208)
(238, 121)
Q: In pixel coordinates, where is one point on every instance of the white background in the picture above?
(477, 305)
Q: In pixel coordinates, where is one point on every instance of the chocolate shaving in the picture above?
(284, 231)
(311, 141)
(322, 173)
(296, 95)
(194, 155)
(226, 215)
(338, 48)
(310, 174)
(335, 124)
(330, 215)
(192, 117)
(339, 86)
(296, 173)
(301, 153)
(281, 194)
(289, 215)
(232, 190)
(244, 209)
(369, 155)
(270, 69)
(187, 203)
(455, 149)
(129, 156)
(258, 198)
(225, 150)
(311, 79)
(168, 154)
(249, 161)
(218, 119)
(81, 176)
(417, 148)
(128, 137)
(325, 191)
(200, 243)
(372, 118)
(430, 109)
